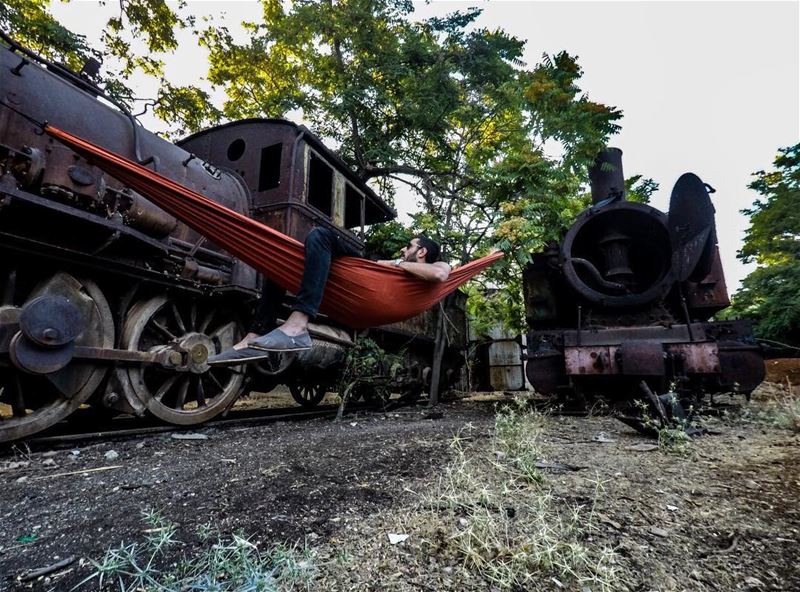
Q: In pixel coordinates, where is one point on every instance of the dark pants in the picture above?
(323, 245)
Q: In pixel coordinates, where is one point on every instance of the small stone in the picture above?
(499, 454)
(672, 508)
(394, 539)
(75, 452)
(750, 484)
(48, 462)
(140, 445)
(642, 447)
(111, 455)
(659, 532)
(189, 437)
(603, 438)
(612, 523)
(448, 570)
(463, 523)
(22, 479)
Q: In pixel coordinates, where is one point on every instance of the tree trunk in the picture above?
(438, 355)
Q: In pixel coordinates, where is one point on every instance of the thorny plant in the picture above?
(236, 565)
(505, 524)
(672, 436)
(782, 412)
(368, 366)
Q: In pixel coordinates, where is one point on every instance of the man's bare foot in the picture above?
(245, 340)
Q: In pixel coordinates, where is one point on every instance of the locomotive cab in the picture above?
(296, 183)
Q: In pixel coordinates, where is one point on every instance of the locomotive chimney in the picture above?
(605, 176)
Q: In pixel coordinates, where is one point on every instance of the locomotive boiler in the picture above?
(105, 300)
(627, 296)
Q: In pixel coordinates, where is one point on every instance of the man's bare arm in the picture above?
(432, 272)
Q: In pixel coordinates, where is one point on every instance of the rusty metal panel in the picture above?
(642, 358)
(711, 293)
(598, 359)
(698, 358)
(619, 335)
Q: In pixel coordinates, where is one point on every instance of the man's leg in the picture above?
(266, 316)
(321, 246)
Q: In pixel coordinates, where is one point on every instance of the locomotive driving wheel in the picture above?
(39, 383)
(188, 391)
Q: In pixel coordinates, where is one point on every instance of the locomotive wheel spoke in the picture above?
(17, 401)
(200, 392)
(178, 320)
(206, 322)
(166, 386)
(188, 393)
(215, 380)
(180, 400)
(164, 331)
(193, 317)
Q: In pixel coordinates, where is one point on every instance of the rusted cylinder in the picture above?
(146, 217)
(605, 175)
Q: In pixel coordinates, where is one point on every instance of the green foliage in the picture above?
(30, 23)
(153, 565)
(149, 22)
(189, 106)
(386, 240)
(770, 295)
(672, 436)
(368, 368)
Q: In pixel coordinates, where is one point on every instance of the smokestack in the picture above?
(605, 175)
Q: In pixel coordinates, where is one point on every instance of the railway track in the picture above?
(78, 430)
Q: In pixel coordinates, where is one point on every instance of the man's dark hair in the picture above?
(431, 246)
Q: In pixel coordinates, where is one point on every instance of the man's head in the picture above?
(421, 249)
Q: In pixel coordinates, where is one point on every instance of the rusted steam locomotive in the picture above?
(627, 296)
(108, 301)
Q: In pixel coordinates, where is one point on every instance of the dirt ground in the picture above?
(724, 517)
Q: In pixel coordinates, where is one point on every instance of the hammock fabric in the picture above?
(359, 293)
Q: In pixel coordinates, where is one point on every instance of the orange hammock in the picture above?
(359, 293)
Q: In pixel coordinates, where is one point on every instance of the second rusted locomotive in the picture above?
(105, 300)
(627, 296)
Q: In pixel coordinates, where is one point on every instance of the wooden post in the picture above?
(438, 355)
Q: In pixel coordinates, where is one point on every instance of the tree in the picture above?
(770, 295)
(442, 108)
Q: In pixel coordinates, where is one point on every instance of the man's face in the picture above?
(411, 252)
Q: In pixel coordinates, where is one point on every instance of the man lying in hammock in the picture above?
(420, 258)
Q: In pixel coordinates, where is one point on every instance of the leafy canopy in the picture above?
(770, 295)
